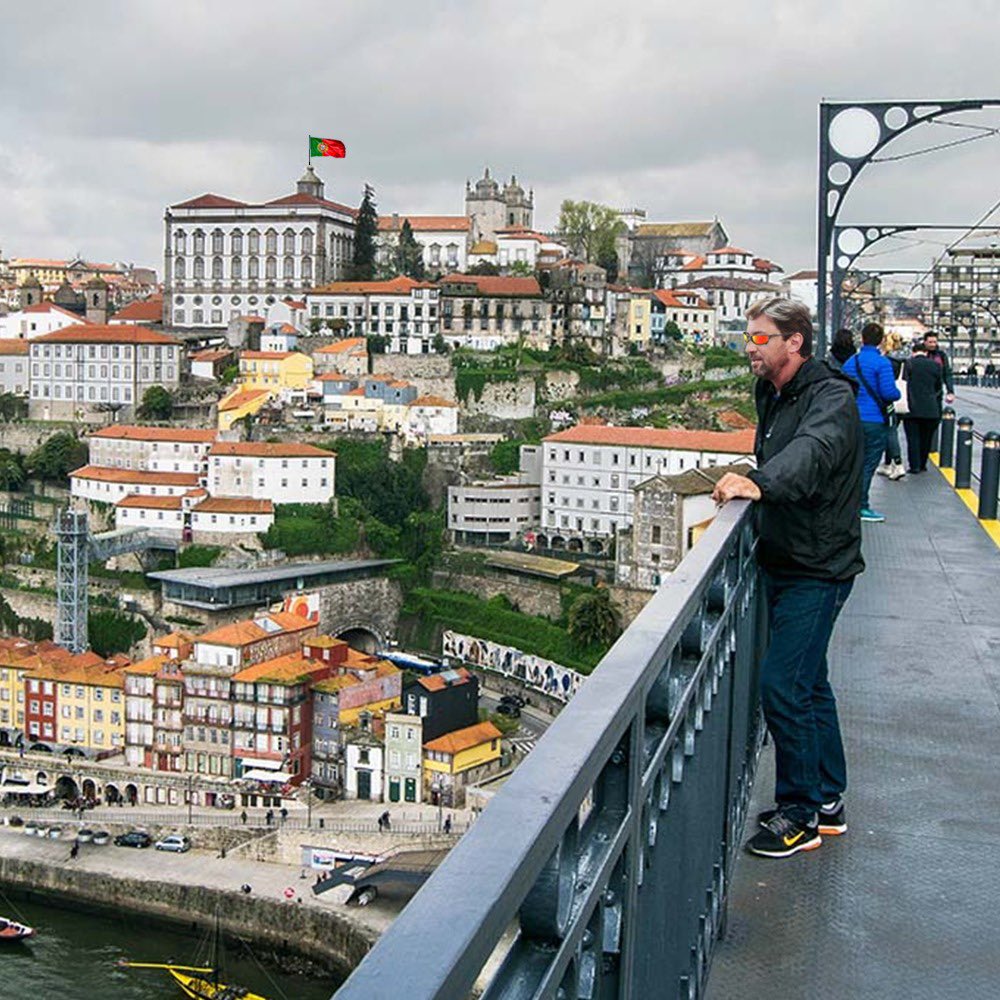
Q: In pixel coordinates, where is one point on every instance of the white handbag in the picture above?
(902, 405)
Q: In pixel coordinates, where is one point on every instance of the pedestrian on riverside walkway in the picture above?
(942, 361)
(447, 824)
(807, 486)
(243, 817)
(876, 393)
(924, 388)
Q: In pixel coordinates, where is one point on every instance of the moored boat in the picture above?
(11, 930)
(198, 982)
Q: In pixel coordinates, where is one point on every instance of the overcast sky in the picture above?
(111, 111)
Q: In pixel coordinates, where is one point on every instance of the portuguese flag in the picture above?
(326, 147)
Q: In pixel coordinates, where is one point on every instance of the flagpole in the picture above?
(309, 150)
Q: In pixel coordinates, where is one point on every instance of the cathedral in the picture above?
(493, 207)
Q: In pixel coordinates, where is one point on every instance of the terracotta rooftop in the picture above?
(292, 668)
(400, 285)
(94, 334)
(246, 632)
(437, 682)
(211, 201)
(267, 355)
(268, 449)
(151, 503)
(728, 442)
(148, 667)
(105, 474)
(51, 307)
(465, 739)
(495, 285)
(347, 346)
(144, 311)
(136, 432)
(425, 223)
(11, 345)
(241, 397)
(234, 505)
(212, 354)
(432, 401)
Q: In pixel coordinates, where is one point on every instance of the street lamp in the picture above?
(190, 797)
(307, 785)
(438, 789)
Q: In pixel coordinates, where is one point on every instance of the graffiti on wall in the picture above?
(305, 605)
(550, 678)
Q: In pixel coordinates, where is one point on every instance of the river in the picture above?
(74, 956)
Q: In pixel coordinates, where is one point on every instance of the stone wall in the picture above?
(320, 934)
(371, 604)
(532, 598)
(560, 385)
(630, 602)
(430, 373)
(503, 400)
(27, 435)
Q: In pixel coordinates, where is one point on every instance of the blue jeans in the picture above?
(798, 702)
(874, 435)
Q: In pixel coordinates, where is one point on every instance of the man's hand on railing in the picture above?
(734, 487)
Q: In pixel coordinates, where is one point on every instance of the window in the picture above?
(271, 268)
(179, 268)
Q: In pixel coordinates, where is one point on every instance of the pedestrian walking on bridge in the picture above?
(807, 488)
(924, 389)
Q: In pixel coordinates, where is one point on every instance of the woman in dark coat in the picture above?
(924, 391)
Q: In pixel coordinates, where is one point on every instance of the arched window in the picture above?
(237, 268)
(289, 268)
(216, 241)
(199, 267)
(217, 268)
(307, 269)
(307, 241)
(179, 268)
(236, 242)
(199, 241)
(180, 241)
(254, 246)
(289, 241)
(253, 268)
(435, 254)
(271, 268)
(271, 240)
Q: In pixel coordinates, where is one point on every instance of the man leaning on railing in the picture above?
(807, 487)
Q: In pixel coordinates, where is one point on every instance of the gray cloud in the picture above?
(112, 110)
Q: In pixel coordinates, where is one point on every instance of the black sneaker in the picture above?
(832, 820)
(783, 836)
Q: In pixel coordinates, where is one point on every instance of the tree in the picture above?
(440, 344)
(521, 269)
(113, 632)
(671, 331)
(409, 254)
(589, 230)
(229, 374)
(377, 343)
(594, 620)
(56, 458)
(484, 268)
(12, 407)
(365, 231)
(12, 472)
(157, 404)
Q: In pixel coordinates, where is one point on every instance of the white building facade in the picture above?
(225, 258)
(404, 748)
(443, 239)
(14, 367)
(82, 371)
(151, 449)
(281, 473)
(588, 472)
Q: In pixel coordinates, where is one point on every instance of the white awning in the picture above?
(275, 777)
(30, 789)
(261, 763)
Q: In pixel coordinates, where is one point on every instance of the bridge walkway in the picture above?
(906, 903)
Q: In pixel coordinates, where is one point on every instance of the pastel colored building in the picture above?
(459, 758)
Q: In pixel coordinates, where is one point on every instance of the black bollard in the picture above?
(946, 455)
(989, 483)
(963, 454)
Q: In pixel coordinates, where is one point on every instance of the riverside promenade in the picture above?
(905, 904)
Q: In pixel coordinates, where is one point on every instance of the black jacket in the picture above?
(809, 457)
(941, 359)
(924, 387)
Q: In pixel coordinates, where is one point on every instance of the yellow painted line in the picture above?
(969, 498)
(949, 475)
(934, 457)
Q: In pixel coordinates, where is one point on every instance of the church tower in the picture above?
(30, 292)
(95, 292)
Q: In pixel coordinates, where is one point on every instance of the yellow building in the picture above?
(80, 703)
(455, 760)
(275, 370)
(639, 313)
(240, 403)
(16, 661)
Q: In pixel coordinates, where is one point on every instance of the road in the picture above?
(532, 723)
(983, 406)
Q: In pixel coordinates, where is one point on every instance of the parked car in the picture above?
(508, 709)
(513, 699)
(134, 838)
(175, 842)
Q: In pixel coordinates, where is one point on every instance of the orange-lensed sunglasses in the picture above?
(759, 338)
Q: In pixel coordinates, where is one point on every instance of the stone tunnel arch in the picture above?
(66, 788)
(112, 795)
(362, 636)
(89, 789)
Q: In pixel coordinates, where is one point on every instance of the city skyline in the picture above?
(652, 109)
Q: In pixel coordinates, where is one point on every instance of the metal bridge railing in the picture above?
(610, 849)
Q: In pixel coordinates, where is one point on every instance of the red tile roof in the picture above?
(432, 401)
(245, 632)
(51, 307)
(348, 345)
(131, 477)
(241, 398)
(212, 354)
(400, 285)
(729, 442)
(234, 505)
(425, 223)
(146, 310)
(299, 198)
(94, 334)
(436, 682)
(211, 201)
(151, 503)
(465, 739)
(266, 449)
(673, 300)
(266, 355)
(135, 432)
(11, 345)
(487, 285)
(728, 249)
